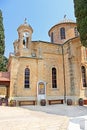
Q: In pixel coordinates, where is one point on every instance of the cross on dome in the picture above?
(65, 16)
(25, 21)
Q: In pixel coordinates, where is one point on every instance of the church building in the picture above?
(54, 71)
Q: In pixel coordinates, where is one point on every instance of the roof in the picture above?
(64, 21)
(47, 42)
(25, 24)
(4, 76)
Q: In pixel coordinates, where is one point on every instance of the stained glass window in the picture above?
(54, 82)
(27, 78)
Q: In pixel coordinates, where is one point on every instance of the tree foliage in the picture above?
(80, 7)
(2, 37)
(3, 59)
(3, 63)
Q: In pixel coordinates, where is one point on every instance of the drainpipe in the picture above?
(64, 74)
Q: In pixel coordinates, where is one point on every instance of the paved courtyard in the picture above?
(16, 118)
(60, 109)
(53, 117)
(76, 114)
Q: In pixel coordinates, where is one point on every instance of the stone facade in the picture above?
(66, 55)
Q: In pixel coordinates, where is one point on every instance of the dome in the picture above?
(25, 25)
(65, 20)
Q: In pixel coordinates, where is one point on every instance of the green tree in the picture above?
(3, 63)
(3, 59)
(80, 7)
(2, 37)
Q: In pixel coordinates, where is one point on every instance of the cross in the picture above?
(64, 16)
(25, 20)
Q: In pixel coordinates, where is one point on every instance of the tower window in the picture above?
(62, 33)
(83, 70)
(25, 39)
(52, 37)
(27, 78)
(54, 82)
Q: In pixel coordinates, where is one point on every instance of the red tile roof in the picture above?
(4, 76)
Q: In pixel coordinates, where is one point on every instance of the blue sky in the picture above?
(40, 14)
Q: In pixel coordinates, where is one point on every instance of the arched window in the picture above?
(25, 39)
(54, 82)
(52, 37)
(27, 78)
(83, 76)
(24, 42)
(62, 33)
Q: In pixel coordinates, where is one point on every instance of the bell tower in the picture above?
(22, 45)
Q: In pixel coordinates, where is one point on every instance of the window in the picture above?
(62, 33)
(54, 82)
(27, 78)
(24, 42)
(76, 32)
(52, 37)
(25, 39)
(83, 76)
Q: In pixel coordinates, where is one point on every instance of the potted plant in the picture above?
(81, 102)
(12, 102)
(69, 101)
(43, 102)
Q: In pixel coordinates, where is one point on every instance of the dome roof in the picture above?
(65, 20)
(25, 25)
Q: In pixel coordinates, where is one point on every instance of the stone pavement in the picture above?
(60, 109)
(16, 118)
(53, 117)
(76, 114)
